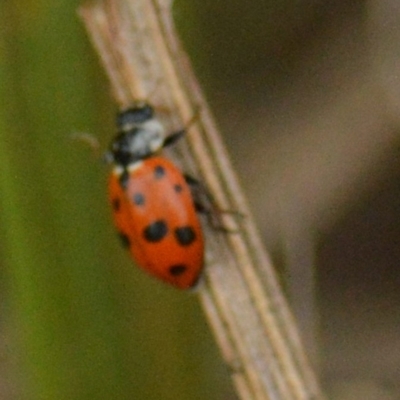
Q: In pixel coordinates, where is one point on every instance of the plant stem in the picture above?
(254, 328)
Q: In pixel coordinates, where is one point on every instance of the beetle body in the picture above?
(152, 204)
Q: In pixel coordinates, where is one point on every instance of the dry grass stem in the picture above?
(253, 326)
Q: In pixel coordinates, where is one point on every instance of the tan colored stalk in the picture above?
(253, 326)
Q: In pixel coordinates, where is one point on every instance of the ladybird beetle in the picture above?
(152, 203)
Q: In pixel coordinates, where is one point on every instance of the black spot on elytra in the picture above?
(159, 172)
(138, 199)
(178, 188)
(116, 204)
(155, 231)
(185, 235)
(124, 239)
(177, 270)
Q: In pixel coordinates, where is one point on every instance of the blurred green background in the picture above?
(78, 321)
